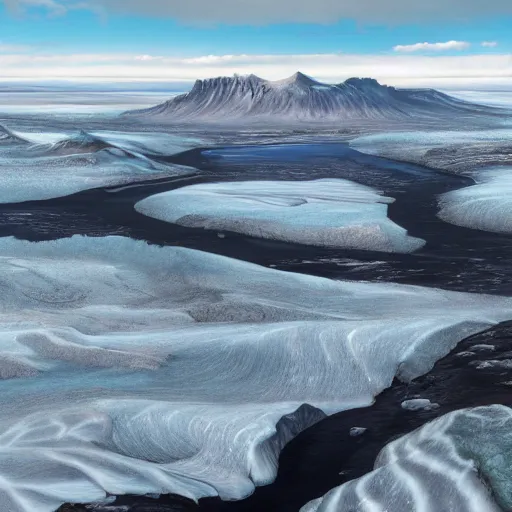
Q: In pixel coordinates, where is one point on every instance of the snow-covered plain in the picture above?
(130, 368)
(327, 212)
(441, 466)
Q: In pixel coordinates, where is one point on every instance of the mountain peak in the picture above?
(364, 83)
(297, 78)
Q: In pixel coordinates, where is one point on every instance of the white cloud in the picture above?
(397, 69)
(13, 48)
(489, 44)
(437, 47)
(53, 6)
(276, 11)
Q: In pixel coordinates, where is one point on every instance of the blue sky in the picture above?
(39, 38)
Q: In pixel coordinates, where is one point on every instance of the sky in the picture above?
(463, 44)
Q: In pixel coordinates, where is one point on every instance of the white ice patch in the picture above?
(486, 206)
(413, 146)
(440, 466)
(155, 143)
(419, 404)
(328, 212)
(143, 369)
(28, 177)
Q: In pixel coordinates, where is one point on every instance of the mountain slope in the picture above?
(302, 98)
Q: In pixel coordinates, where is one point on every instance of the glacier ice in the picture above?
(486, 206)
(419, 404)
(326, 212)
(357, 431)
(446, 465)
(141, 369)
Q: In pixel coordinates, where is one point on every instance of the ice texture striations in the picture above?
(129, 368)
(446, 465)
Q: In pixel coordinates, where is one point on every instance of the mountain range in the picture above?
(300, 97)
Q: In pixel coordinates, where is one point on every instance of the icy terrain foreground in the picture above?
(130, 368)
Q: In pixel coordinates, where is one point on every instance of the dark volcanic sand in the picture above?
(455, 258)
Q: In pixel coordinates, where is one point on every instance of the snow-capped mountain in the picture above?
(301, 97)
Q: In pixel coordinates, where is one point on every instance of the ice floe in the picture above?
(419, 404)
(327, 212)
(448, 464)
(131, 368)
(486, 206)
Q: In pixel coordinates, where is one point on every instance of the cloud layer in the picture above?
(396, 69)
(278, 11)
(437, 47)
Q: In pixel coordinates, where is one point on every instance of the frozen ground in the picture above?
(329, 212)
(137, 369)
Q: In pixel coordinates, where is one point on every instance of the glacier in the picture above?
(325, 212)
(460, 462)
(130, 368)
(487, 205)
